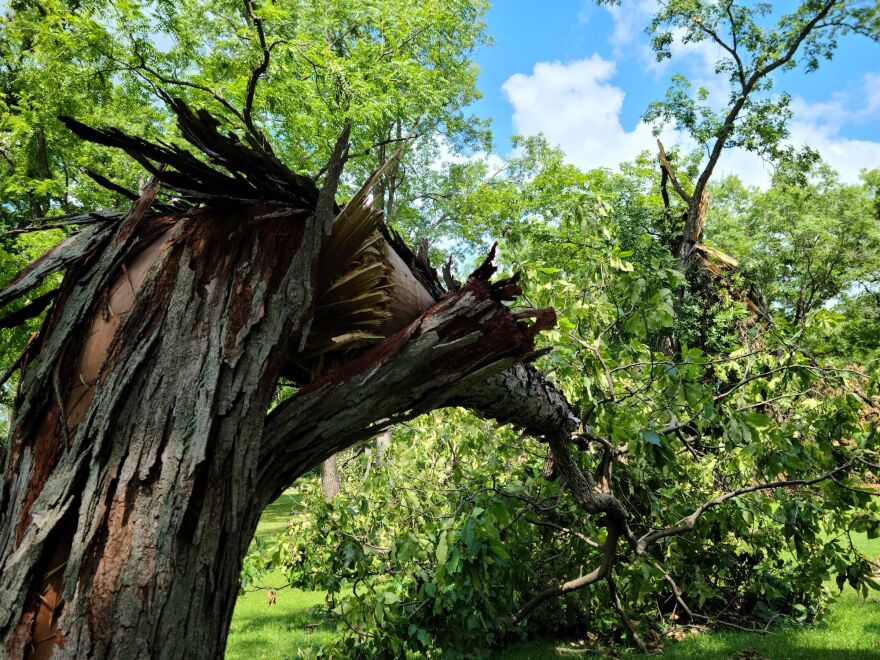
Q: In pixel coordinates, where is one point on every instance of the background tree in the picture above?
(806, 242)
(754, 47)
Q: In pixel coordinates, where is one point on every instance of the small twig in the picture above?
(573, 532)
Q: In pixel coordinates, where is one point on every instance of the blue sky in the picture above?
(584, 74)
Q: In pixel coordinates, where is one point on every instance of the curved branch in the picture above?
(670, 173)
(453, 346)
(691, 521)
(258, 71)
(600, 573)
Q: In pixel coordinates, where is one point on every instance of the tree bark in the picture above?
(150, 493)
(330, 485)
(383, 442)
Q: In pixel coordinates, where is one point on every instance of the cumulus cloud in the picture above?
(819, 125)
(577, 106)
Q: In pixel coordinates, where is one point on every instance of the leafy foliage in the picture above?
(807, 242)
(436, 548)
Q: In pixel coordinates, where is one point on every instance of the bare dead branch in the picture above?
(257, 72)
(667, 168)
(676, 590)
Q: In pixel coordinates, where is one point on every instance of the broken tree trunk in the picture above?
(141, 454)
(330, 484)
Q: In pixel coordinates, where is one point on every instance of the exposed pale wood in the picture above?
(726, 260)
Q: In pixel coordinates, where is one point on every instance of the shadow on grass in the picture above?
(276, 516)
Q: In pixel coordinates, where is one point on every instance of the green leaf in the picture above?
(498, 550)
(442, 549)
(651, 437)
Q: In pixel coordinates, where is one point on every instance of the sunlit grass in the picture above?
(283, 630)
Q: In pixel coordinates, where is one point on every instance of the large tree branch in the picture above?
(523, 397)
(450, 349)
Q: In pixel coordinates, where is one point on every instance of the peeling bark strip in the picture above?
(141, 455)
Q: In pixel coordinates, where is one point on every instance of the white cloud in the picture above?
(586, 11)
(848, 156)
(628, 22)
(576, 106)
(818, 125)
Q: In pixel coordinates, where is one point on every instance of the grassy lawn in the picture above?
(287, 630)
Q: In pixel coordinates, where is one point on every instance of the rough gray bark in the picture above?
(151, 490)
(522, 396)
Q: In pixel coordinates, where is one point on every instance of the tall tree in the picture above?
(755, 44)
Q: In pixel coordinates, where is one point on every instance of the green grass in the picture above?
(287, 630)
(284, 630)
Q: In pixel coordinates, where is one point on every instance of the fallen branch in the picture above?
(690, 522)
